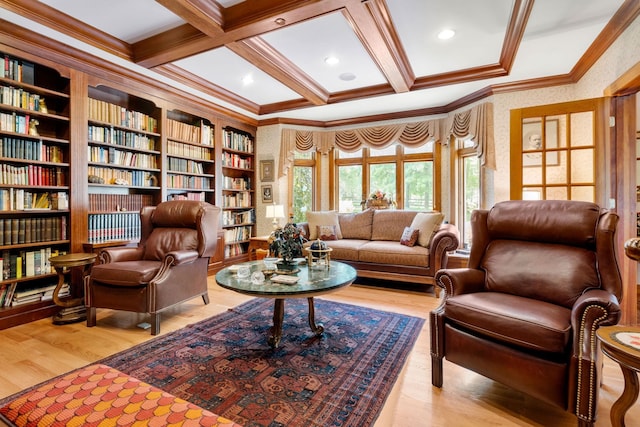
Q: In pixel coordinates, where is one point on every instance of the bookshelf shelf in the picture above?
(34, 164)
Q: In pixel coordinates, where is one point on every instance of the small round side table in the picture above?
(73, 310)
(622, 344)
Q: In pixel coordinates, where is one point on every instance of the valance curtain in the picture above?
(476, 122)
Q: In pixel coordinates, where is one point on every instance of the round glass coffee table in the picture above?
(310, 282)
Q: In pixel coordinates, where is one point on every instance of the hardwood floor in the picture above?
(38, 351)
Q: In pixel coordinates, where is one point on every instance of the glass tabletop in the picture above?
(311, 281)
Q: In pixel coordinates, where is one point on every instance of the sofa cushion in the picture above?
(393, 253)
(327, 232)
(344, 249)
(161, 241)
(409, 236)
(356, 225)
(428, 223)
(389, 224)
(316, 218)
(534, 324)
(126, 273)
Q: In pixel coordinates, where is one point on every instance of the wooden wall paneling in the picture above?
(79, 197)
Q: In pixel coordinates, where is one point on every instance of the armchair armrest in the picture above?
(458, 281)
(445, 240)
(592, 309)
(108, 255)
(181, 257)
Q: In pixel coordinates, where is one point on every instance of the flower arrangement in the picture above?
(378, 195)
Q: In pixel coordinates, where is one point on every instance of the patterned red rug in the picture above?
(224, 364)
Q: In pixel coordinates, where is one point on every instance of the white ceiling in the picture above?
(557, 34)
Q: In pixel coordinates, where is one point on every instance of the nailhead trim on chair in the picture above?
(592, 364)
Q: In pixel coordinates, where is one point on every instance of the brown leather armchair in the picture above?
(542, 278)
(168, 267)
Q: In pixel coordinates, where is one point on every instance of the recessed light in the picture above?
(446, 34)
(280, 21)
(331, 60)
(347, 76)
(247, 80)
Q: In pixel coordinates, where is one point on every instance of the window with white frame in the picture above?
(468, 188)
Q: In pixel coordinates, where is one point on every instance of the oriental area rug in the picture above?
(225, 365)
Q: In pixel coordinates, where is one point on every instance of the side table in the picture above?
(457, 260)
(622, 344)
(73, 310)
(260, 242)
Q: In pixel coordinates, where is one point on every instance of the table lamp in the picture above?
(275, 212)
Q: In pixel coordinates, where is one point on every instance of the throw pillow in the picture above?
(327, 232)
(409, 236)
(428, 223)
(317, 218)
(356, 225)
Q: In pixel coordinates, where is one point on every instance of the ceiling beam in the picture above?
(371, 22)
(65, 24)
(239, 22)
(262, 55)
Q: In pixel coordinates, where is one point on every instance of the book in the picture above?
(285, 279)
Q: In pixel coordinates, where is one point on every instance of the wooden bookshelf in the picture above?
(238, 193)
(34, 186)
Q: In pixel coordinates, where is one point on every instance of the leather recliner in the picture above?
(542, 277)
(169, 265)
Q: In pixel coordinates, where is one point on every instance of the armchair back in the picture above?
(546, 250)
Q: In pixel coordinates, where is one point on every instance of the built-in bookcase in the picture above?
(238, 192)
(34, 186)
(190, 157)
(124, 152)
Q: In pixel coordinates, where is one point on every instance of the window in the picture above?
(302, 185)
(468, 188)
(406, 176)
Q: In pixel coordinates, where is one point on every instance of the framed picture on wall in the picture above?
(266, 170)
(532, 141)
(267, 194)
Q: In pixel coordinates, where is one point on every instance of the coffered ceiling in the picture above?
(390, 58)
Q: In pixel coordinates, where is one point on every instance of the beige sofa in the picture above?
(370, 242)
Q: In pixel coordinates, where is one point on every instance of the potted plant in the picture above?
(286, 243)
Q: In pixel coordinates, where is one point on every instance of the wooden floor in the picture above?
(35, 352)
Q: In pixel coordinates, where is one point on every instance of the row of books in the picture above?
(17, 199)
(188, 150)
(188, 196)
(28, 149)
(230, 218)
(119, 202)
(16, 123)
(18, 70)
(109, 135)
(238, 200)
(185, 165)
(32, 175)
(198, 134)
(237, 141)
(234, 249)
(231, 183)
(237, 234)
(183, 181)
(20, 98)
(11, 295)
(112, 176)
(17, 231)
(122, 158)
(236, 161)
(114, 226)
(19, 264)
(120, 116)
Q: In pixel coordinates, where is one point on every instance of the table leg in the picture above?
(317, 329)
(73, 310)
(276, 329)
(629, 396)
